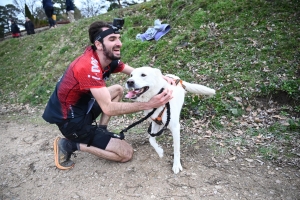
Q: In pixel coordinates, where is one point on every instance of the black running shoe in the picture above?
(62, 157)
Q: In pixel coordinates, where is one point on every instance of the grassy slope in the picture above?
(244, 49)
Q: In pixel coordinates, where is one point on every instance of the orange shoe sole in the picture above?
(56, 156)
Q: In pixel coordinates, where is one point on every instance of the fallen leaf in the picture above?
(278, 117)
(232, 158)
(249, 159)
(248, 109)
(239, 99)
(240, 132)
(257, 120)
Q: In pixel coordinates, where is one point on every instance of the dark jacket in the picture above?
(29, 26)
(69, 5)
(14, 28)
(47, 4)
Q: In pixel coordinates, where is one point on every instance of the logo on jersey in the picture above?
(94, 77)
(95, 66)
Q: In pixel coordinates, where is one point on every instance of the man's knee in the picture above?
(128, 154)
(120, 148)
(116, 92)
(120, 90)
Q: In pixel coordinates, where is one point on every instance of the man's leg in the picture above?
(113, 149)
(116, 150)
(116, 93)
(107, 148)
(49, 13)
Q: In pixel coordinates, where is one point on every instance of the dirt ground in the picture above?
(28, 170)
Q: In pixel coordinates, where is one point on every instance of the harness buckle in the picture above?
(158, 120)
(75, 135)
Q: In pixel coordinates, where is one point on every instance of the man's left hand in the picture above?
(169, 80)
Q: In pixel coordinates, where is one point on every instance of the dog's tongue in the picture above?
(130, 94)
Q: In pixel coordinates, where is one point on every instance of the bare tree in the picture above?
(40, 13)
(114, 1)
(90, 9)
(7, 13)
(123, 3)
(20, 4)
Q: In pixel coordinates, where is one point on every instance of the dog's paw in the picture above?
(160, 152)
(177, 168)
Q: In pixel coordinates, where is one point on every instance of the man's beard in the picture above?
(109, 54)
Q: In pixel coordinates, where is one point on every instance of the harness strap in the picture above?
(180, 81)
(122, 136)
(166, 125)
(158, 119)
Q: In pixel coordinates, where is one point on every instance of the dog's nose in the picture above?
(130, 83)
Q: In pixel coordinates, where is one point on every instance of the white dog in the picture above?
(146, 82)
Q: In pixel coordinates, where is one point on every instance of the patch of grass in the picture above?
(270, 152)
(244, 49)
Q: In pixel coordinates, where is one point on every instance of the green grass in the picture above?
(245, 49)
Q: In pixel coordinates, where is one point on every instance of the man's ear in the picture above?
(98, 45)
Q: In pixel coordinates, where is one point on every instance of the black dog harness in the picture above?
(157, 120)
(122, 136)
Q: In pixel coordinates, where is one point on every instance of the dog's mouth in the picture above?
(135, 93)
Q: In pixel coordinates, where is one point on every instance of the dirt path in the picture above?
(28, 170)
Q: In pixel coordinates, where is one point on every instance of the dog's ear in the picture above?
(157, 72)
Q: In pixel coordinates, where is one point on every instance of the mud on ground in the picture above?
(28, 171)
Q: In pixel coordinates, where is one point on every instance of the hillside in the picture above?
(247, 50)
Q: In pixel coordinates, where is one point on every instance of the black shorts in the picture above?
(81, 130)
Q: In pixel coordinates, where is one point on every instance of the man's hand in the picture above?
(169, 80)
(160, 99)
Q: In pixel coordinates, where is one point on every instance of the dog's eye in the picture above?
(143, 75)
(130, 75)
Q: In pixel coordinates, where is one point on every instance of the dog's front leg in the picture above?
(157, 148)
(176, 143)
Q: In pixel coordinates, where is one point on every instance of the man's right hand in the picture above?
(161, 99)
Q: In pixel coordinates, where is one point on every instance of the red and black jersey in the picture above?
(72, 92)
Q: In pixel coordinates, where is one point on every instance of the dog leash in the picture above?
(122, 136)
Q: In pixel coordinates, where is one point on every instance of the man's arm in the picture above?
(127, 69)
(110, 108)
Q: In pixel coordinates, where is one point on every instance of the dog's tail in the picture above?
(198, 89)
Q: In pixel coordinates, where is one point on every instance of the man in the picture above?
(29, 26)
(81, 95)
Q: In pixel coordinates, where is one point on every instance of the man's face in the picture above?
(112, 46)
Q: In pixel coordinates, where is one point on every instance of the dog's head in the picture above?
(144, 83)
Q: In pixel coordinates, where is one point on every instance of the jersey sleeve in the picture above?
(120, 67)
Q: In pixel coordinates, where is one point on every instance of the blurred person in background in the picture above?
(70, 10)
(29, 26)
(15, 30)
(48, 7)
